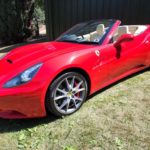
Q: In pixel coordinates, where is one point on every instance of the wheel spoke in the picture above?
(67, 83)
(72, 82)
(78, 98)
(63, 104)
(74, 101)
(62, 91)
(68, 104)
(78, 86)
(79, 90)
(60, 97)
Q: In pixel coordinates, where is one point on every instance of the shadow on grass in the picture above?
(7, 126)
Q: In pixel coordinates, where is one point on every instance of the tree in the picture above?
(39, 11)
(17, 20)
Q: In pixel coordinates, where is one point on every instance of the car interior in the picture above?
(125, 29)
(128, 29)
(95, 36)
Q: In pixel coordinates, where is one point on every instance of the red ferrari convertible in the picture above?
(58, 76)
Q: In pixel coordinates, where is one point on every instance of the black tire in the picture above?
(51, 103)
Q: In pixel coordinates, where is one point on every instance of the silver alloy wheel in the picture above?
(69, 94)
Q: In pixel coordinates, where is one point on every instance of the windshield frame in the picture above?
(101, 40)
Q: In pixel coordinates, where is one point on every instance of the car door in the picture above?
(109, 64)
(116, 61)
(125, 57)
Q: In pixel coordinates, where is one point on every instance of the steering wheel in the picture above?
(81, 37)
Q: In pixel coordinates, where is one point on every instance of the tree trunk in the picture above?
(17, 21)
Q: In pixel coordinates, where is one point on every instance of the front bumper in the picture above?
(21, 102)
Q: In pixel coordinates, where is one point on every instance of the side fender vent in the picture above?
(9, 61)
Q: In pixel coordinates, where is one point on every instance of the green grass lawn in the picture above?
(116, 118)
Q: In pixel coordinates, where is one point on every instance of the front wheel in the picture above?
(67, 94)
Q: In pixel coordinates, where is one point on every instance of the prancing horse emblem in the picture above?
(97, 53)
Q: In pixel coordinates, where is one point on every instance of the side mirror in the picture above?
(124, 38)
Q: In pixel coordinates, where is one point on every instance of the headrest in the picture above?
(100, 29)
(140, 29)
(123, 30)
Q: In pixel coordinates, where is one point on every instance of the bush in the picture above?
(39, 11)
(18, 20)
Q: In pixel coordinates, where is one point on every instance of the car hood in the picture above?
(34, 53)
(48, 49)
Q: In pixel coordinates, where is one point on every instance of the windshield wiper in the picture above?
(87, 42)
(79, 42)
(68, 41)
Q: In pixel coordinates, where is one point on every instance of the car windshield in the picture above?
(93, 32)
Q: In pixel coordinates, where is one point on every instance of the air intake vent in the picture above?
(9, 61)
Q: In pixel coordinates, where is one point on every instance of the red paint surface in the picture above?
(27, 100)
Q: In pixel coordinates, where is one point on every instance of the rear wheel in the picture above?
(67, 94)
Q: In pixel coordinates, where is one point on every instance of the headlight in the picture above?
(24, 77)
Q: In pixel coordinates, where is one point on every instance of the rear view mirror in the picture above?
(124, 38)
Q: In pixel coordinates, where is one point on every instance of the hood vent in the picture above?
(9, 61)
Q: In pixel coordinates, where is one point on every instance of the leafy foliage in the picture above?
(17, 21)
(39, 11)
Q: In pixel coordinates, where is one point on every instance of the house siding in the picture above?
(62, 14)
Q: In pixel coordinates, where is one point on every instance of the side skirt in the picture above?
(135, 70)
